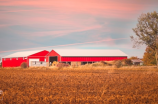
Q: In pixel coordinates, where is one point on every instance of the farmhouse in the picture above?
(71, 56)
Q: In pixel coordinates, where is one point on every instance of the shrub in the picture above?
(95, 65)
(24, 65)
(103, 62)
(1, 64)
(118, 64)
(127, 61)
(61, 65)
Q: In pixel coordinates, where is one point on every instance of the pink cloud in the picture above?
(58, 25)
(24, 10)
(5, 25)
(60, 13)
(58, 33)
(55, 21)
(106, 8)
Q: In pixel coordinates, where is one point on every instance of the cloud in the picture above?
(58, 33)
(5, 25)
(105, 8)
(105, 40)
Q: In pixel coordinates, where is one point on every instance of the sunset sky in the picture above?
(83, 24)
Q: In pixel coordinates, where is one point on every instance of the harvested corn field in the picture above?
(79, 86)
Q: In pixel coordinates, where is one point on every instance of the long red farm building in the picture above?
(44, 57)
(16, 59)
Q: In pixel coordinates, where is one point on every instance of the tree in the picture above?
(149, 57)
(127, 62)
(146, 31)
(133, 57)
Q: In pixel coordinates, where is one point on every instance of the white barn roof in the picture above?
(89, 52)
(22, 54)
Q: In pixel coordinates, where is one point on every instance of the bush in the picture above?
(127, 61)
(103, 62)
(1, 64)
(95, 65)
(61, 65)
(24, 65)
(118, 64)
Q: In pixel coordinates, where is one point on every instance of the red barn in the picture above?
(71, 56)
(37, 59)
(84, 55)
(15, 59)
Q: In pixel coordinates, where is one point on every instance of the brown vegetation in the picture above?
(133, 57)
(24, 65)
(149, 56)
(127, 62)
(118, 64)
(1, 64)
(79, 86)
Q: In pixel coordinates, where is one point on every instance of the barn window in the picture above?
(41, 62)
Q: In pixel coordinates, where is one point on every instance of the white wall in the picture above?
(32, 60)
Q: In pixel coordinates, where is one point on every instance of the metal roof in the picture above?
(89, 52)
(73, 52)
(136, 60)
(22, 54)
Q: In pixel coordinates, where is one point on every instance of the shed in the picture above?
(137, 62)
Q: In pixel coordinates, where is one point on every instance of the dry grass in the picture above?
(73, 85)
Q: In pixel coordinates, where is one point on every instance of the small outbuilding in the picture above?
(137, 62)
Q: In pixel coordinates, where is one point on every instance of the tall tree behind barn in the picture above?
(146, 31)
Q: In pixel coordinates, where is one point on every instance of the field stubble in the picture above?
(79, 86)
